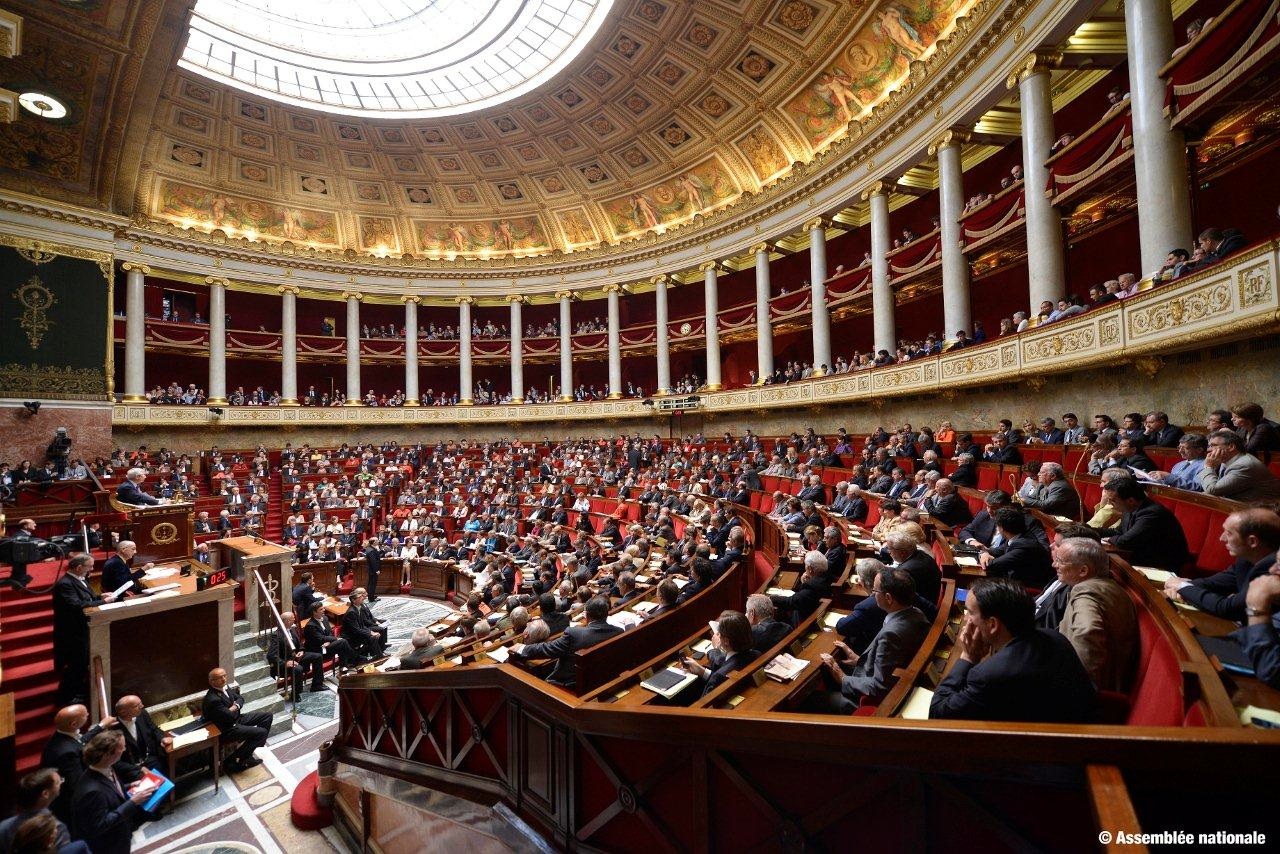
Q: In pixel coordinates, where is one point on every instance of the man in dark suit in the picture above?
(1160, 433)
(1055, 495)
(1001, 450)
(144, 744)
(292, 663)
(814, 490)
(870, 674)
(1048, 434)
(766, 631)
(922, 567)
(1252, 537)
(1008, 669)
(557, 621)
(103, 813)
(946, 505)
(318, 637)
(64, 752)
(966, 473)
(834, 549)
(25, 532)
(573, 639)
(1148, 530)
(1023, 558)
(703, 572)
(732, 551)
(224, 708)
(366, 634)
(813, 586)
(372, 566)
(71, 595)
(304, 594)
(981, 533)
(130, 492)
(117, 572)
(425, 649)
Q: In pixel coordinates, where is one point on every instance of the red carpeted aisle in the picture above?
(26, 655)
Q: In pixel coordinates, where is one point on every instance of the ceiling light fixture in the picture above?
(42, 105)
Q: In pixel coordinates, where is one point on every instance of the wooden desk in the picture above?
(163, 648)
(434, 578)
(1244, 690)
(212, 739)
(798, 640)
(765, 694)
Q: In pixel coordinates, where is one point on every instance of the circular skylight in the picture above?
(390, 58)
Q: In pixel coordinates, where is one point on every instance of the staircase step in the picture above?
(258, 689)
(30, 654)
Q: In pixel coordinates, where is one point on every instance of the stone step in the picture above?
(273, 705)
(263, 686)
(252, 671)
(246, 642)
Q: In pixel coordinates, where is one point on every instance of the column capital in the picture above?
(564, 295)
(517, 298)
(613, 289)
(761, 247)
(288, 289)
(131, 266)
(467, 300)
(411, 298)
(217, 280)
(817, 222)
(352, 295)
(879, 188)
(709, 265)
(949, 137)
(1036, 62)
(660, 279)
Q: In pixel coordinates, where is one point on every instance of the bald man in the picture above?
(144, 744)
(63, 751)
(224, 707)
(117, 571)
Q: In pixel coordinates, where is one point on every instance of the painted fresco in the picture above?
(576, 227)
(873, 63)
(511, 234)
(704, 187)
(764, 153)
(192, 206)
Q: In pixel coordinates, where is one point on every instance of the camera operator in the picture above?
(18, 576)
(59, 450)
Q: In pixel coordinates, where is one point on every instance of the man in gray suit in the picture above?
(425, 648)
(1055, 495)
(1230, 472)
(870, 674)
(574, 638)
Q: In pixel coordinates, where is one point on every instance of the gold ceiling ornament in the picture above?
(36, 301)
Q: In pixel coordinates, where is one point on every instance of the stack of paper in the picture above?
(785, 667)
(917, 706)
(499, 654)
(779, 591)
(623, 620)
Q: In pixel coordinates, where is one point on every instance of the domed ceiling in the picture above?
(673, 110)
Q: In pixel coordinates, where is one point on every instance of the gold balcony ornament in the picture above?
(36, 300)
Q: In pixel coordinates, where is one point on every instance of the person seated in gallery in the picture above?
(1007, 669)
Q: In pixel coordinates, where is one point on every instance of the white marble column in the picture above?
(517, 349)
(288, 345)
(566, 346)
(711, 318)
(615, 342)
(1159, 151)
(217, 394)
(955, 267)
(135, 333)
(882, 308)
(662, 323)
(411, 350)
(353, 348)
(1045, 260)
(820, 316)
(764, 323)
(465, 387)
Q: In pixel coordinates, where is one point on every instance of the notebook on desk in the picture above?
(669, 682)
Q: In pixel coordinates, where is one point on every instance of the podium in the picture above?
(162, 648)
(162, 532)
(242, 555)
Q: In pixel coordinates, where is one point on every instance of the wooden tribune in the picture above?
(162, 648)
(162, 532)
(273, 562)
